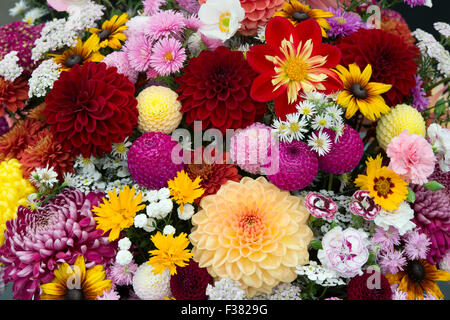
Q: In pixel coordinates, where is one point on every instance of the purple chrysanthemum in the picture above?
(392, 261)
(168, 56)
(139, 50)
(150, 160)
(20, 36)
(415, 3)
(420, 100)
(386, 239)
(37, 241)
(416, 245)
(152, 6)
(122, 275)
(164, 24)
(189, 5)
(343, 23)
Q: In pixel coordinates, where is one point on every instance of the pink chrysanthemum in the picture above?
(417, 245)
(320, 206)
(109, 295)
(193, 22)
(164, 24)
(364, 205)
(152, 6)
(392, 261)
(122, 275)
(168, 56)
(189, 5)
(139, 50)
(119, 59)
(386, 239)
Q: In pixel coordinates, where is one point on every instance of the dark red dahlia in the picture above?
(91, 107)
(369, 286)
(190, 282)
(215, 89)
(392, 60)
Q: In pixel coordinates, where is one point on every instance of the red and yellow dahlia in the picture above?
(293, 61)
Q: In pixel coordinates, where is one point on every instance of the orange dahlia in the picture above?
(12, 94)
(251, 232)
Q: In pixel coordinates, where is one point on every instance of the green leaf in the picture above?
(433, 186)
(439, 107)
(333, 224)
(411, 197)
(372, 258)
(316, 244)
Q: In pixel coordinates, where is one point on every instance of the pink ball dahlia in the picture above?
(432, 216)
(297, 166)
(150, 160)
(344, 154)
(19, 36)
(37, 241)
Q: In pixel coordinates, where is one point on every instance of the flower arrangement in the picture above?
(239, 149)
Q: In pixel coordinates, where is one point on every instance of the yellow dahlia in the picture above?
(184, 190)
(118, 212)
(297, 12)
(159, 110)
(14, 190)
(387, 188)
(170, 252)
(361, 94)
(111, 32)
(402, 117)
(76, 283)
(252, 232)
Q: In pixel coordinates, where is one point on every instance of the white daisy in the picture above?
(339, 128)
(34, 14)
(47, 176)
(335, 112)
(120, 149)
(306, 108)
(320, 143)
(295, 126)
(280, 130)
(69, 179)
(315, 97)
(87, 165)
(19, 8)
(322, 121)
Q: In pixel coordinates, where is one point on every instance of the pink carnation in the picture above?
(320, 206)
(411, 156)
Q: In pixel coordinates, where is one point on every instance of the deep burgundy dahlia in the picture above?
(369, 286)
(4, 126)
(215, 89)
(190, 282)
(90, 107)
(391, 59)
(37, 241)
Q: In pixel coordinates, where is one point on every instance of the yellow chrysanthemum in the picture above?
(82, 52)
(118, 212)
(159, 110)
(111, 34)
(14, 190)
(76, 283)
(402, 117)
(252, 232)
(184, 190)
(359, 93)
(297, 12)
(418, 277)
(170, 252)
(387, 188)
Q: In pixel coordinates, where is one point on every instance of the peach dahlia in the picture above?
(252, 232)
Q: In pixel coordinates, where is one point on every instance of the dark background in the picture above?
(418, 17)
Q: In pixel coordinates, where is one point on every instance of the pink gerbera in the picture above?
(165, 23)
(139, 50)
(168, 56)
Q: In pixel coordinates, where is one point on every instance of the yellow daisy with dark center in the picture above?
(359, 93)
(297, 12)
(111, 33)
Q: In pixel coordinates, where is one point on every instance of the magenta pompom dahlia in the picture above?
(19, 36)
(37, 241)
(344, 154)
(297, 166)
(150, 160)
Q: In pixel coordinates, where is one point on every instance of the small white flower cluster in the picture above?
(283, 291)
(19, 8)
(443, 28)
(317, 113)
(84, 16)
(225, 289)
(320, 275)
(124, 256)
(44, 178)
(10, 70)
(261, 34)
(430, 47)
(43, 78)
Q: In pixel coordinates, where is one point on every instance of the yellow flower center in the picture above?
(295, 69)
(383, 186)
(121, 148)
(224, 22)
(319, 143)
(294, 127)
(168, 56)
(341, 20)
(323, 122)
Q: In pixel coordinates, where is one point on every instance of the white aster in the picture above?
(261, 34)
(296, 126)
(320, 143)
(280, 130)
(306, 108)
(120, 149)
(46, 176)
(34, 14)
(322, 121)
(19, 8)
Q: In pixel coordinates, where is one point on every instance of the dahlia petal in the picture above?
(262, 89)
(283, 107)
(256, 58)
(278, 29)
(306, 30)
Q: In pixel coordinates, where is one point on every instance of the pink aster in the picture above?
(168, 56)
(109, 295)
(139, 50)
(386, 239)
(392, 261)
(320, 206)
(364, 205)
(152, 6)
(411, 156)
(165, 23)
(122, 275)
(417, 245)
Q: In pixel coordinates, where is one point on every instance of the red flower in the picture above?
(190, 282)
(391, 58)
(363, 287)
(89, 108)
(215, 89)
(12, 94)
(293, 61)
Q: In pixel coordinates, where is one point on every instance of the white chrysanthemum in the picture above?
(149, 195)
(10, 70)
(163, 193)
(120, 149)
(296, 126)
(150, 286)
(165, 207)
(225, 289)
(124, 257)
(153, 210)
(150, 225)
(188, 212)
(306, 108)
(320, 143)
(46, 177)
(43, 78)
(169, 229)
(195, 43)
(399, 219)
(34, 14)
(124, 244)
(140, 220)
(19, 8)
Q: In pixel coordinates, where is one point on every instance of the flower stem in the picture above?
(330, 181)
